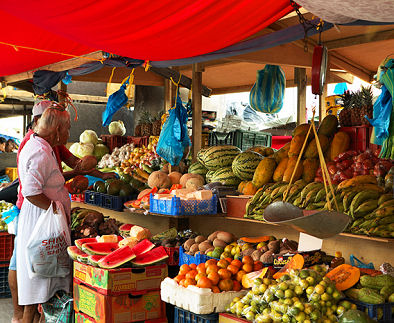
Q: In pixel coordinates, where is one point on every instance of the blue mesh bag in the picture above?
(268, 91)
(173, 137)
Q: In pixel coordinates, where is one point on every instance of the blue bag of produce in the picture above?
(267, 93)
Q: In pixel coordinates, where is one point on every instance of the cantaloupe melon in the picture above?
(159, 179)
(175, 177)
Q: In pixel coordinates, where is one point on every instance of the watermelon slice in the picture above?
(117, 258)
(124, 229)
(74, 252)
(142, 247)
(94, 259)
(83, 258)
(99, 248)
(150, 257)
(80, 242)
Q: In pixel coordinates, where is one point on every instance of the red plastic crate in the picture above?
(138, 141)
(6, 246)
(359, 137)
(173, 256)
(112, 141)
(78, 197)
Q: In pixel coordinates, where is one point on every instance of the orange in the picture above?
(236, 285)
(247, 267)
(240, 274)
(204, 282)
(225, 285)
(182, 282)
(215, 289)
(193, 266)
(229, 260)
(224, 274)
(179, 278)
(247, 260)
(210, 262)
(237, 263)
(257, 265)
(232, 269)
(184, 269)
(212, 268)
(201, 268)
(199, 276)
(189, 281)
(222, 263)
(214, 278)
(191, 274)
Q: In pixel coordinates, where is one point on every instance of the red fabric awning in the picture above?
(148, 30)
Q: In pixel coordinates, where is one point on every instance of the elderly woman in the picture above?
(42, 184)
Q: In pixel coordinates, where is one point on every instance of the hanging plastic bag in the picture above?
(47, 247)
(117, 100)
(267, 93)
(173, 137)
(59, 309)
(10, 217)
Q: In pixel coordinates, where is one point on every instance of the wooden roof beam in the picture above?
(214, 63)
(360, 39)
(344, 76)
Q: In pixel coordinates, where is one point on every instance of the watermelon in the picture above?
(245, 164)
(226, 177)
(200, 156)
(142, 247)
(124, 229)
(117, 258)
(99, 248)
(80, 242)
(197, 168)
(209, 176)
(74, 252)
(83, 258)
(94, 259)
(220, 156)
(150, 257)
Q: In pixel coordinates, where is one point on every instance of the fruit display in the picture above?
(115, 187)
(117, 157)
(173, 238)
(89, 145)
(4, 206)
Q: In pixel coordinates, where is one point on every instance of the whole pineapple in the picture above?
(356, 110)
(345, 114)
(367, 107)
(156, 124)
(138, 130)
(146, 124)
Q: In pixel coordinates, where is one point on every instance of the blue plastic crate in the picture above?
(4, 287)
(176, 206)
(197, 259)
(372, 310)
(183, 316)
(107, 201)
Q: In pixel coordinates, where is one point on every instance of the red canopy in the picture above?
(148, 30)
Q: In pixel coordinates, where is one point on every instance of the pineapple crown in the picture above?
(347, 100)
(367, 95)
(357, 99)
(145, 117)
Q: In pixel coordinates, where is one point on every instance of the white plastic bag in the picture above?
(47, 247)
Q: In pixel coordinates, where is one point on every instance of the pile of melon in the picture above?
(161, 180)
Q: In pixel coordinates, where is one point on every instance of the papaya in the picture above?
(282, 153)
(340, 143)
(376, 282)
(311, 150)
(301, 129)
(328, 126)
(264, 172)
(280, 170)
(296, 145)
(386, 291)
(310, 166)
(370, 296)
(241, 186)
(344, 276)
(249, 189)
(290, 168)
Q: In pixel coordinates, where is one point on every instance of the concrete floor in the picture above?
(5, 310)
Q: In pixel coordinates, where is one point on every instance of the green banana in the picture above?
(315, 206)
(384, 198)
(361, 197)
(147, 169)
(310, 197)
(348, 198)
(365, 208)
(321, 195)
(310, 187)
(384, 211)
(357, 222)
(386, 220)
(297, 201)
(386, 203)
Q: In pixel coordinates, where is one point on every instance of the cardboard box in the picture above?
(236, 205)
(117, 309)
(310, 258)
(83, 318)
(230, 318)
(122, 280)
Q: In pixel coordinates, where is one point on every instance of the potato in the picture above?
(219, 243)
(274, 246)
(199, 239)
(188, 244)
(248, 252)
(194, 248)
(267, 257)
(256, 255)
(212, 236)
(225, 236)
(203, 246)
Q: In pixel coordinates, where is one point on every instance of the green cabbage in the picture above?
(100, 150)
(117, 128)
(88, 137)
(74, 149)
(85, 150)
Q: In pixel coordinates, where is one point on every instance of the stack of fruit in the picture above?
(117, 157)
(114, 187)
(4, 206)
(173, 238)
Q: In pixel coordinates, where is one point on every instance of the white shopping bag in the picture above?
(47, 247)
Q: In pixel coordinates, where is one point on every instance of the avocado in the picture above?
(99, 186)
(125, 178)
(114, 187)
(126, 190)
(109, 181)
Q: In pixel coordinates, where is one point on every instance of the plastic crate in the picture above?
(6, 246)
(173, 256)
(360, 137)
(77, 197)
(176, 206)
(112, 141)
(221, 138)
(372, 310)
(105, 200)
(183, 316)
(138, 141)
(197, 259)
(4, 287)
(11, 172)
(247, 139)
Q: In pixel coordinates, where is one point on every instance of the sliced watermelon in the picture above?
(74, 252)
(93, 259)
(151, 257)
(125, 227)
(117, 258)
(142, 247)
(99, 248)
(83, 258)
(80, 242)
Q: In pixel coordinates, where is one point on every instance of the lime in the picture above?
(310, 280)
(315, 297)
(325, 297)
(304, 284)
(310, 290)
(262, 288)
(280, 293)
(304, 273)
(298, 290)
(300, 317)
(283, 286)
(319, 289)
(249, 316)
(289, 293)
